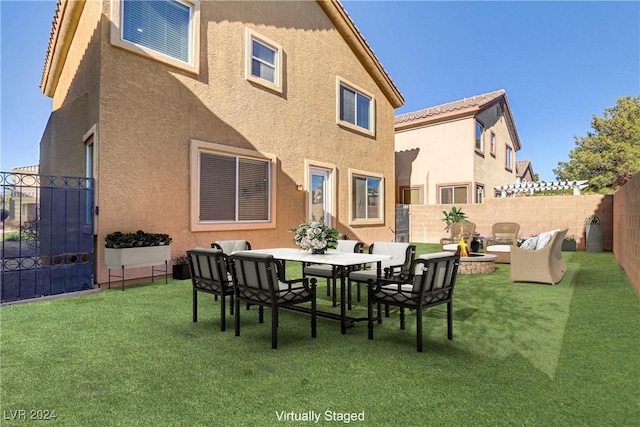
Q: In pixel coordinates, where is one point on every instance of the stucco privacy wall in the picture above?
(534, 214)
(626, 230)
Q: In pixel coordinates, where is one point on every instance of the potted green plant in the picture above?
(569, 244)
(181, 269)
(139, 249)
(593, 232)
(453, 216)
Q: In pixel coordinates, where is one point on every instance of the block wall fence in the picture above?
(626, 230)
(534, 214)
(620, 215)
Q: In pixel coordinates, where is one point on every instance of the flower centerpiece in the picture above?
(315, 236)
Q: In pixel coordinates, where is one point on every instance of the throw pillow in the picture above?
(530, 243)
(544, 239)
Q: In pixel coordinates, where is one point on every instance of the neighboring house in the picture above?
(524, 171)
(21, 203)
(214, 120)
(456, 152)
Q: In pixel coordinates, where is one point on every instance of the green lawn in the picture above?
(522, 354)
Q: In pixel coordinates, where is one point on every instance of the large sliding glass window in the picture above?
(233, 188)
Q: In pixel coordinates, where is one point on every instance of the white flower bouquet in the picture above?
(315, 236)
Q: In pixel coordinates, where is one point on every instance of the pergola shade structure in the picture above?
(511, 190)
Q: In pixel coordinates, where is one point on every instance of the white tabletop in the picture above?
(331, 256)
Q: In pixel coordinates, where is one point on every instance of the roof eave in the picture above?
(443, 117)
(63, 28)
(363, 52)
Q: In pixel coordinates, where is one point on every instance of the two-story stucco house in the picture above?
(214, 120)
(456, 152)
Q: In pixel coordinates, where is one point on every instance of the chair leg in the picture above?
(358, 293)
(386, 310)
(195, 305)
(419, 328)
(402, 318)
(237, 317)
(261, 314)
(313, 319)
(379, 314)
(370, 317)
(274, 327)
(450, 320)
(329, 287)
(223, 313)
(232, 304)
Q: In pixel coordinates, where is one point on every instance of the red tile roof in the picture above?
(477, 101)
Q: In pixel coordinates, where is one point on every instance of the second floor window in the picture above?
(263, 61)
(479, 136)
(356, 108)
(509, 158)
(161, 25)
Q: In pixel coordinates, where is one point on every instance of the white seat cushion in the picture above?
(450, 247)
(499, 248)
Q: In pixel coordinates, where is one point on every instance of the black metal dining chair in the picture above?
(259, 279)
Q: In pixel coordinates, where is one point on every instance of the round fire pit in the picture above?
(477, 263)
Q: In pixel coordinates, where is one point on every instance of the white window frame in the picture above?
(371, 130)
(453, 193)
(479, 193)
(196, 148)
(250, 37)
(192, 65)
(353, 173)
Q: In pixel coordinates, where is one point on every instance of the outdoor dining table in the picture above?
(338, 260)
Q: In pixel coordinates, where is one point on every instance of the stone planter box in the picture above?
(145, 256)
(569, 246)
(137, 257)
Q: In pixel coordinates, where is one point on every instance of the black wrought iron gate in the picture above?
(402, 223)
(47, 235)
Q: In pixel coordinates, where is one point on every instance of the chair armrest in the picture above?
(376, 284)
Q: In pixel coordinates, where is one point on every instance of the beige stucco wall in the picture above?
(443, 153)
(75, 101)
(626, 230)
(149, 112)
(534, 214)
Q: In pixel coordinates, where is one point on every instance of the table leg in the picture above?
(343, 311)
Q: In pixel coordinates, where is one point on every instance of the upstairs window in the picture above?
(263, 61)
(161, 25)
(165, 30)
(509, 158)
(479, 136)
(355, 108)
(493, 144)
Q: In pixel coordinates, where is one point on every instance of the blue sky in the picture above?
(559, 62)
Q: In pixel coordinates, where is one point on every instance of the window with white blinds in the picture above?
(233, 188)
(160, 25)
